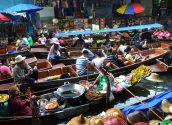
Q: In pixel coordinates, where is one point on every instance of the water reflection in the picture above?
(143, 90)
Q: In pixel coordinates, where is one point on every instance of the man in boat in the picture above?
(112, 57)
(91, 55)
(122, 47)
(79, 42)
(5, 71)
(99, 61)
(56, 51)
(23, 73)
(140, 44)
(81, 64)
(24, 44)
(18, 106)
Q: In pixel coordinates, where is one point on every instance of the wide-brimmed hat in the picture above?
(154, 77)
(80, 120)
(151, 115)
(19, 59)
(114, 120)
(141, 123)
(115, 112)
(154, 122)
(136, 116)
(165, 106)
(96, 120)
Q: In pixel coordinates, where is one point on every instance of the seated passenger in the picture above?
(91, 55)
(98, 61)
(19, 106)
(5, 71)
(55, 51)
(129, 57)
(81, 64)
(122, 47)
(23, 73)
(24, 44)
(141, 45)
(79, 42)
(42, 39)
(112, 57)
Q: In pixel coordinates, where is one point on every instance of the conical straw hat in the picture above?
(154, 78)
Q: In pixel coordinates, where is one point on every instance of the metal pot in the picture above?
(70, 91)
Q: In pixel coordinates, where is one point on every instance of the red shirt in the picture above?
(20, 107)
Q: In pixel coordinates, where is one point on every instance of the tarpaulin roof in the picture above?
(140, 27)
(155, 101)
(27, 8)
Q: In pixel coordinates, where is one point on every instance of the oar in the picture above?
(136, 97)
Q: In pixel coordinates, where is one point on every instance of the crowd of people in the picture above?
(116, 53)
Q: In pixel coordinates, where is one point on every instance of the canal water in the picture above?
(143, 90)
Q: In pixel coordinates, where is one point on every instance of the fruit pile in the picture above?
(139, 73)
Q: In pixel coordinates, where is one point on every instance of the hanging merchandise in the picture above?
(102, 23)
(85, 23)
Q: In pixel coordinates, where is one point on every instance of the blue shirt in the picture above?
(81, 64)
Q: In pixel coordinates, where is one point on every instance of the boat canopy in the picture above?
(153, 102)
(130, 28)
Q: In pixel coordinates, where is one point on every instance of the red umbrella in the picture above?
(4, 17)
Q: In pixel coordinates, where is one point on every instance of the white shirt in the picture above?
(98, 62)
(122, 48)
(53, 52)
(42, 40)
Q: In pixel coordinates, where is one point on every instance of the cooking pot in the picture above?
(70, 91)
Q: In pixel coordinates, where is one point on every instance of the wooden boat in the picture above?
(44, 83)
(152, 54)
(4, 53)
(53, 116)
(43, 65)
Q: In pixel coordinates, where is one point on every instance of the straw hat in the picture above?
(19, 59)
(96, 120)
(152, 116)
(141, 123)
(154, 122)
(154, 78)
(136, 116)
(168, 117)
(113, 120)
(79, 120)
(115, 112)
(165, 106)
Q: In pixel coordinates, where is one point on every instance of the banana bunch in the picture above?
(139, 73)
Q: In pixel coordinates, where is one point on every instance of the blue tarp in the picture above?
(155, 25)
(27, 8)
(153, 102)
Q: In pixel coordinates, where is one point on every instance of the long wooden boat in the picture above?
(56, 115)
(6, 55)
(42, 83)
(152, 54)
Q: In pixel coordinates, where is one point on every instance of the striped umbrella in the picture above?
(3, 17)
(131, 9)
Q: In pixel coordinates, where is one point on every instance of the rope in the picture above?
(136, 97)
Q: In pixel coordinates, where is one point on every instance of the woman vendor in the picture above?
(105, 84)
(19, 106)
